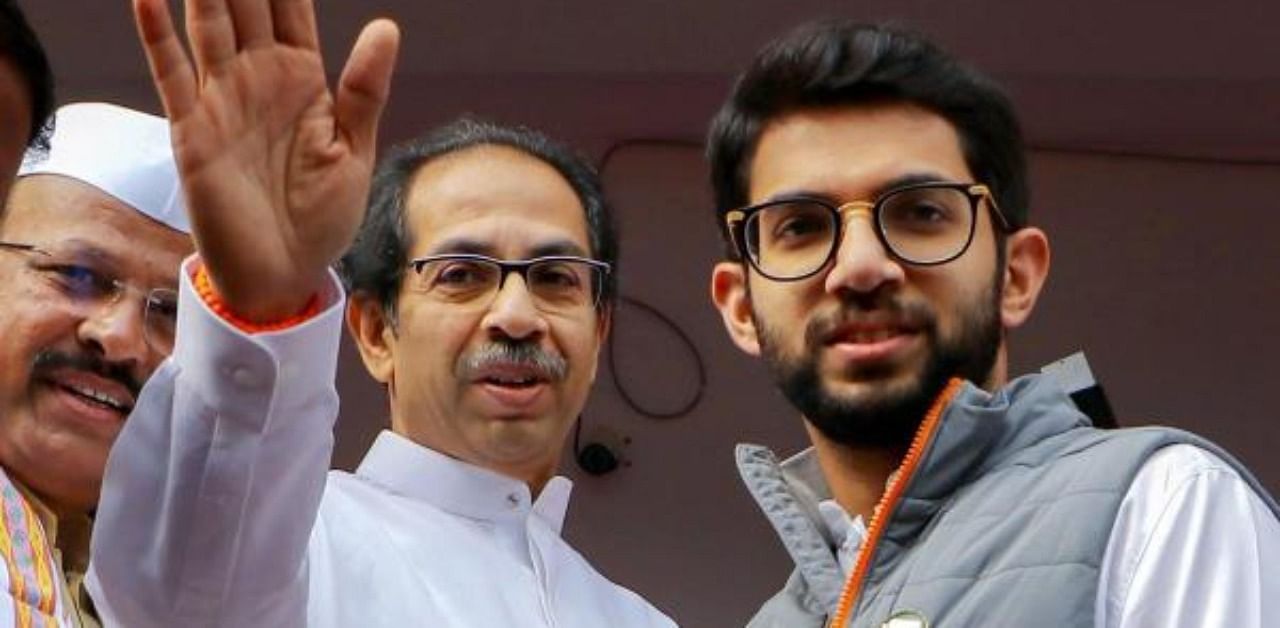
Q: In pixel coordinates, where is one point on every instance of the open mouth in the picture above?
(511, 375)
(512, 386)
(97, 398)
(872, 341)
(867, 334)
(92, 395)
(512, 381)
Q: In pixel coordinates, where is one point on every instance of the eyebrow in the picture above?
(476, 247)
(558, 247)
(910, 178)
(461, 245)
(79, 249)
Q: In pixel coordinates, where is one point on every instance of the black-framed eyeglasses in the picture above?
(84, 289)
(924, 224)
(557, 283)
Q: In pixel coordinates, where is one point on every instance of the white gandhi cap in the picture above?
(124, 153)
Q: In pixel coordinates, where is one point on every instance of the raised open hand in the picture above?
(275, 167)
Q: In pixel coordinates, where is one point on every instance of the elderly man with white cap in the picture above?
(90, 244)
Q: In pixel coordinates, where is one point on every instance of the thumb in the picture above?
(365, 85)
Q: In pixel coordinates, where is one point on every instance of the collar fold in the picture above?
(410, 470)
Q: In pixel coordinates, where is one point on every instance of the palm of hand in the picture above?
(275, 167)
(286, 193)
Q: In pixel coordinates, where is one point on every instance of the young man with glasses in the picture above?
(481, 291)
(872, 192)
(90, 242)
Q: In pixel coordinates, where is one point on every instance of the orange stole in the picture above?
(25, 551)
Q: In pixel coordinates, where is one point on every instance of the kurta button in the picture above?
(513, 500)
(243, 377)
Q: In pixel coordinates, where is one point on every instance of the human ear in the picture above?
(730, 295)
(604, 322)
(1026, 269)
(374, 334)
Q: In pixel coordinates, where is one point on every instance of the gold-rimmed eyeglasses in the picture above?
(924, 224)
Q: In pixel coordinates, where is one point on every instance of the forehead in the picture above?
(498, 199)
(15, 118)
(48, 210)
(854, 152)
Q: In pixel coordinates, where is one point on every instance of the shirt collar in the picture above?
(848, 532)
(411, 470)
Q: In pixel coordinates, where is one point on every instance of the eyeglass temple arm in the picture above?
(983, 192)
(31, 248)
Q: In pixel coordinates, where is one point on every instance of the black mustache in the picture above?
(914, 314)
(50, 360)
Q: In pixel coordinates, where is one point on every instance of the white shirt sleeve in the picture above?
(212, 488)
(1192, 545)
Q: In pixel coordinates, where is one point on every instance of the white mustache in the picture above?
(545, 365)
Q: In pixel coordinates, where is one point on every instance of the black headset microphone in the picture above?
(600, 452)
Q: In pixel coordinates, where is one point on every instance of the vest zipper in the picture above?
(880, 516)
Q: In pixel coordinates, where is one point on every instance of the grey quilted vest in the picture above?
(1004, 522)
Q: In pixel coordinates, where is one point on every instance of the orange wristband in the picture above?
(204, 288)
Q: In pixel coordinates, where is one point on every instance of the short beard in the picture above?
(886, 419)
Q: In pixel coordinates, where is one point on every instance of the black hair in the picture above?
(19, 44)
(377, 260)
(838, 64)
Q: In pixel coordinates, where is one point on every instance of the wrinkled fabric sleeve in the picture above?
(214, 484)
(1193, 545)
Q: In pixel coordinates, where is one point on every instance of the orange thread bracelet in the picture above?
(204, 288)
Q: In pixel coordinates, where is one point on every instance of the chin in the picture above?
(872, 383)
(516, 441)
(76, 490)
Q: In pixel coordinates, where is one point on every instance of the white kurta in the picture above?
(1192, 546)
(495, 557)
(217, 509)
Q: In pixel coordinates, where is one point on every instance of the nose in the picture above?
(513, 313)
(861, 264)
(116, 329)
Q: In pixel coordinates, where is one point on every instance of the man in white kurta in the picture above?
(205, 515)
(217, 509)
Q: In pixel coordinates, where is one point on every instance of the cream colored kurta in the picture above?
(44, 560)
